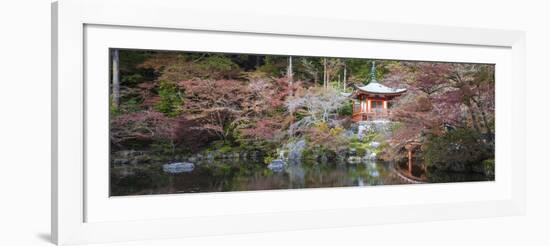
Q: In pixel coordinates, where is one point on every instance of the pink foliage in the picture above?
(263, 129)
(440, 94)
(204, 94)
(145, 125)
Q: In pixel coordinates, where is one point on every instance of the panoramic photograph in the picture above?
(195, 122)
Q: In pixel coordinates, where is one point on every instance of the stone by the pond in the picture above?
(354, 159)
(349, 133)
(361, 131)
(178, 167)
(369, 156)
(295, 150)
(276, 165)
(120, 161)
(374, 173)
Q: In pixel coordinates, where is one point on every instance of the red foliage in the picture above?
(147, 126)
(144, 126)
(208, 94)
(280, 89)
(263, 129)
(431, 77)
(223, 106)
(150, 99)
(439, 94)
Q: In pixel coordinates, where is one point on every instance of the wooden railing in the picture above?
(373, 115)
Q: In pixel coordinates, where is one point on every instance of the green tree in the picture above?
(457, 150)
(171, 100)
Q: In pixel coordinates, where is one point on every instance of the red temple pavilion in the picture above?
(370, 102)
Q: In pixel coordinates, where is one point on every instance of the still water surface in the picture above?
(248, 175)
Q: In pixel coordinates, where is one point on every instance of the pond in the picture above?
(248, 175)
(243, 175)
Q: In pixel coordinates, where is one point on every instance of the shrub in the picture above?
(489, 167)
(217, 66)
(325, 140)
(132, 79)
(171, 99)
(268, 159)
(361, 151)
(225, 149)
(346, 109)
(163, 147)
(132, 105)
(361, 146)
(458, 150)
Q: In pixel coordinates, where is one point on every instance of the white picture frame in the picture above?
(82, 211)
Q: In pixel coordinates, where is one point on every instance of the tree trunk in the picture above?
(289, 71)
(116, 80)
(325, 75)
(483, 116)
(475, 122)
(345, 75)
(410, 161)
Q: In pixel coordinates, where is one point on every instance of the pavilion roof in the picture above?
(377, 88)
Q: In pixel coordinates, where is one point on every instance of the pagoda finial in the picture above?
(373, 73)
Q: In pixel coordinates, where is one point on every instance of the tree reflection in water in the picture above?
(243, 175)
(250, 175)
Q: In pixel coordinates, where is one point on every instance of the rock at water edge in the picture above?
(276, 165)
(178, 167)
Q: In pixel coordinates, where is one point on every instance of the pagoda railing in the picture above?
(370, 116)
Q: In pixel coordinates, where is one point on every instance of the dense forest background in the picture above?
(177, 104)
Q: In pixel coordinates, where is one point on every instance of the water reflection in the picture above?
(241, 175)
(247, 175)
